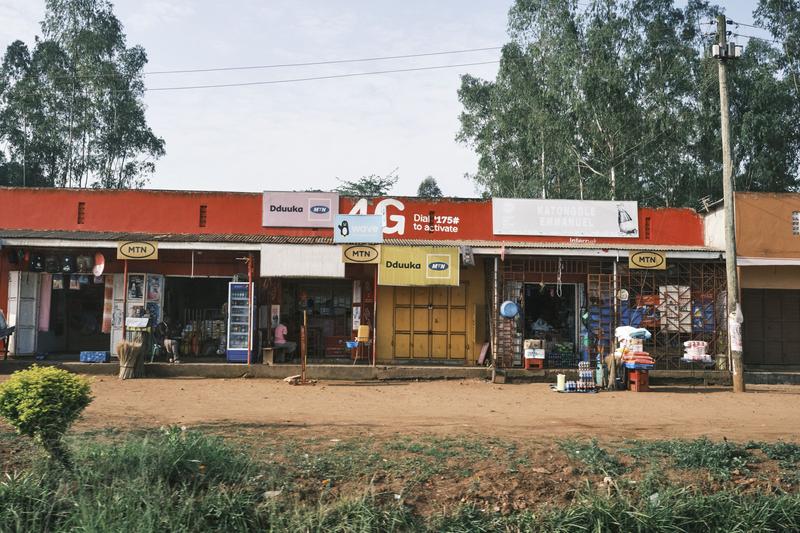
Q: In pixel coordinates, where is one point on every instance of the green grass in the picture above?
(174, 480)
(593, 458)
(720, 459)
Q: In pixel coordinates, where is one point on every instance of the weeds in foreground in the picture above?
(593, 458)
(176, 480)
(721, 459)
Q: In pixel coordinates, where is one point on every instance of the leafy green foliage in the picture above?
(619, 100)
(185, 480)
(721, 459)
(594, 458)
(71, 108)
(42, 402)
(372, 185)
(428, 188)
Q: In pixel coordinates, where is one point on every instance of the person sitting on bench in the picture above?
(288, 347)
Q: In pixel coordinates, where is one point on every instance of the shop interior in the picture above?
(74, 322)
(198, 306)
(550, 315)
(330, 321)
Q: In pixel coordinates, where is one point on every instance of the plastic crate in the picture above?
(95, 357)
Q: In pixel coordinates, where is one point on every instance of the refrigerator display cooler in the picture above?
(240, 321)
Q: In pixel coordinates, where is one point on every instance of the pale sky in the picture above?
(297, 136)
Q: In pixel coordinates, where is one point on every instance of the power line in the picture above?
(756, 37)
(748, 25)
(314, 78)
(317, 63)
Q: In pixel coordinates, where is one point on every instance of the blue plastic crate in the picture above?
(95, 357)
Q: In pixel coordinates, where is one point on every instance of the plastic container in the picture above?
(561, 382)
(351, 345)
(509, 309)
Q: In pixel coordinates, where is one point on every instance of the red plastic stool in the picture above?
(638, 380)
(533, 363)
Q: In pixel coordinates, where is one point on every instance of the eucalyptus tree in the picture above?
(71, 108)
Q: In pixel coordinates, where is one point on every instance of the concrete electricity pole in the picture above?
(724, 51)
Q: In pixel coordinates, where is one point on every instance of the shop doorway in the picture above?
(75, 319)
(329, 307)
(197, 305)
(430, 323)
(550, 313)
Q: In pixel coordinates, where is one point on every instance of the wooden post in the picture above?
(734, 326)
(375, 317)
(303, 346)
(124, 297)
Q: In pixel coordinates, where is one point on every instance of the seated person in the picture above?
(281, 343)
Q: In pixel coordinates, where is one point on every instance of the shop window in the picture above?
(203, 215)
(81, 212)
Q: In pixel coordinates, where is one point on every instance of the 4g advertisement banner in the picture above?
(404, 266)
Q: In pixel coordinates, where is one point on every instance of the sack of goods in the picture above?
(695, 351)
(638, 358)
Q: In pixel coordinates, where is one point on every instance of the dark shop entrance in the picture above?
(75, 321)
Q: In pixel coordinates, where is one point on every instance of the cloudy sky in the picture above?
(304, 135)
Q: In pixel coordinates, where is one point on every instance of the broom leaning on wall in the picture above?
(131, 360)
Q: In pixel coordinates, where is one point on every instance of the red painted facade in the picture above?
(178, 212)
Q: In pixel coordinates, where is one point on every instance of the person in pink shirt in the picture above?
(281, 343)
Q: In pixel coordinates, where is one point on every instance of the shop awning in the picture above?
(301, 261)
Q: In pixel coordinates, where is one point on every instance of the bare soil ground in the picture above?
(346, 409)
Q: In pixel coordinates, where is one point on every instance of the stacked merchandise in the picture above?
(696, 352)
(561, 355)
(585, 377)
(630, 350)
(585, 382)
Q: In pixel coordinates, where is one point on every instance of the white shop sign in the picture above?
(565, 218)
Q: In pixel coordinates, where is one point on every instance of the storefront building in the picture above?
(768, 250)
(426, 278)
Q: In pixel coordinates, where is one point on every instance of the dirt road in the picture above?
(446, 407)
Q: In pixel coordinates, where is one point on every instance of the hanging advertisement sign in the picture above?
(299, 209)
(418, 265)
(137, 250)
(358, 229)
(361, 253)
(567, 218)
(647, 261)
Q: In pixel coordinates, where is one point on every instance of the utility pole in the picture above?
(724, 51)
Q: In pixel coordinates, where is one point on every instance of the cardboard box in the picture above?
(532, 344)
(534, 353)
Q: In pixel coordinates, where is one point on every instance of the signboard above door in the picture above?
(565, 218)
(418, 265)
(137, 250)
(366, 229)
(299, 209)
(647, 260)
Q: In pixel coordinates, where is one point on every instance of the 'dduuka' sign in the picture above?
(299, 209)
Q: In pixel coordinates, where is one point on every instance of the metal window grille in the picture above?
(795, 222)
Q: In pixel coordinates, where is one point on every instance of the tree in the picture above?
(619, 101)
(71, 109)
(371, 185)
(428, 188)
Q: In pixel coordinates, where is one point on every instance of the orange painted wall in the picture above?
(147, 211)
(764, 225)
(141, 211)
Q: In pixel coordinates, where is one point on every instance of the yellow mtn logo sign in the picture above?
(647, 261)
(137, 250)
(360, 254)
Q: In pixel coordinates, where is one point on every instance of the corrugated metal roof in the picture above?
(161, 237)
(283, 239)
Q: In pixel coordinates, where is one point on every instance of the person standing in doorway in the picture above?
(281, 343)
(172, 339)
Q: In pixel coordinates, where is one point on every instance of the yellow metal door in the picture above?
(430, 323)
